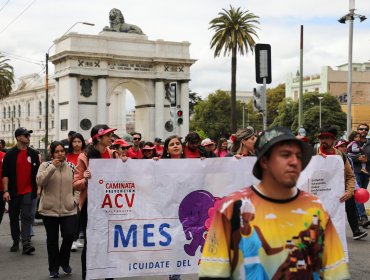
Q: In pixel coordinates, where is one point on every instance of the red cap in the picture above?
(103, 131)
(121, 142)
(147, 147)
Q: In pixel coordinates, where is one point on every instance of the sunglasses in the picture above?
(136, 138)
(124, 148)
(365, 129)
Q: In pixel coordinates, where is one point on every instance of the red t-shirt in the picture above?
(2, 155)
(105, 154)
(23, 172)
(72, 158)
(131, 153)
(159, 150)
(191, 154)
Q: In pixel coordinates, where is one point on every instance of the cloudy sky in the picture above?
(28, 28)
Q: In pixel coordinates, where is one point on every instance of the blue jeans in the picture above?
(362, 181)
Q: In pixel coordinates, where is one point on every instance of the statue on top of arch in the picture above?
(117, 23)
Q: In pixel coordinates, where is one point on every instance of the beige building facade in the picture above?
(334, 82)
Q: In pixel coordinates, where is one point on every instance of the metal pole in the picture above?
(264, 97)
(349, 81)
(300, 108)
(320, 111)
(243, 113)
(46, 139)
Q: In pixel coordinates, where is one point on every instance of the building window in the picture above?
(4, 113)
(19, 110)
(52, 124)
(40, 108)
(4, 127)
(52, 106)
(64, 124)
(28, 109)
(39, 125)
(19, 124)
(316, 90)
(14, 111)
(8, 127)
(9, 112)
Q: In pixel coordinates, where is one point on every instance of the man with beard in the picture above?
(281, 212)
(327, 139)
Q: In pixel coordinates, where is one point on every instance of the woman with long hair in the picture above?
(221, 150)
(101, 137)
(243, 144)
(76, 146)
(173, 148)
(58, 207)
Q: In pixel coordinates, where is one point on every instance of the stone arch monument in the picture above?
(92, 73)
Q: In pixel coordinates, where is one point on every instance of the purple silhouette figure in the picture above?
(193, 213)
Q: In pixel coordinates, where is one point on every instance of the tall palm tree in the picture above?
(235, 30)
(6, 77)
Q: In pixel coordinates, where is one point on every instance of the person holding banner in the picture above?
(327, 139)
(58, 207)
(101, 136)
(243, 144)
(284, 215)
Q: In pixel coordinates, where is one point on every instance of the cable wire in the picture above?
(18, 16)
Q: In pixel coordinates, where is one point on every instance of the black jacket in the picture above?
(10, 165)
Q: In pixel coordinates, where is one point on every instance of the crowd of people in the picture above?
(55, 189)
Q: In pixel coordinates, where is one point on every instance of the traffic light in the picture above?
(179, 118)
(257, 99)
(171, 89)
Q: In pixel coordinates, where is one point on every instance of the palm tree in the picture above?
(6, 77)
(235, 30)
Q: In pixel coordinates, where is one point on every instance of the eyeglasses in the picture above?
(27, 135)
(136, 138)
(361, 129)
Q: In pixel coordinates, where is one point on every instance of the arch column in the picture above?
(159, 109)
(184, 102)
(102, 100)
(73, 119)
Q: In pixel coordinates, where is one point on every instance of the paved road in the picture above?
(15, 266)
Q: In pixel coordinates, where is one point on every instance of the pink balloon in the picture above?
(361, 195)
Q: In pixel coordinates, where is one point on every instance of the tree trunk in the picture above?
(233, 91)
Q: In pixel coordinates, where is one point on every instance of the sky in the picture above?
(29, 27)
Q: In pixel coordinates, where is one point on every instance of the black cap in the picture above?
(270, 138)
(157, 139)
(22, 131)
(71, 133)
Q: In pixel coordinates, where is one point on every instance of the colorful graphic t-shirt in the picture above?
(254, 237)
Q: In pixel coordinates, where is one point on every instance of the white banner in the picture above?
(149, 217)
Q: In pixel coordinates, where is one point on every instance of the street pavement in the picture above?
(15, 266)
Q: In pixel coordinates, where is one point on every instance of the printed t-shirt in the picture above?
(23, 172)
(2, 155)
(131, 153)
(290, 239)
(191, 154)
(71, 157)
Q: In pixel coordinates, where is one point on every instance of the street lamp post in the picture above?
(243, 112)
(320, 98)
(350, 17)
(46, 138)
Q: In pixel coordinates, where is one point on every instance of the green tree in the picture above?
(235, 30)
(274, 97)
(6, 77)
(212, 115)
(331, 114)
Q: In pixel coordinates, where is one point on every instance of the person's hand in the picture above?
(87, 174)
(202, 158)
(56, 162)
(324, 156)
(347, 195)
(156, 158)
(124, 159)
(38, 193)
(238, 156)
(6, 196)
